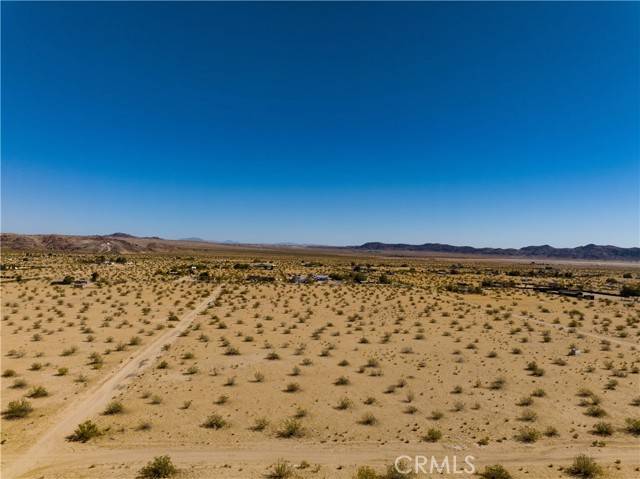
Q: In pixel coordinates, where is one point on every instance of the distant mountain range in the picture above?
(121, 243)
(588, 252)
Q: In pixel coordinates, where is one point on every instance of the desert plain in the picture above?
(249, 364)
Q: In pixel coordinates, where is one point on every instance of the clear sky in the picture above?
(503, 124)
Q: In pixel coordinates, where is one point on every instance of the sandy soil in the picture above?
(361, 372)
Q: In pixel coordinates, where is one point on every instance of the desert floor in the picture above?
(231, 371)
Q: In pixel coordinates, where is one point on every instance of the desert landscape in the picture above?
(319, 240)
(245, 362)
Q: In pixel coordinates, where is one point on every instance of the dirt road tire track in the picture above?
(94, 401)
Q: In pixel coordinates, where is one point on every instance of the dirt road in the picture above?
(95, 400)
(250, 460)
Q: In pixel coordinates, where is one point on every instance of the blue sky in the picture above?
(502, 124)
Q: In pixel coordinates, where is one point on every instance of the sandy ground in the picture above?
(410, 356)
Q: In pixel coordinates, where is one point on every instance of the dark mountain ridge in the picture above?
(589, 251)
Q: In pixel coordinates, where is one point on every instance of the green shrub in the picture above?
(366, 472)
(633, 426)
(290, 428)
(585, 467)
(280, 470)
(114, 407)
(495, 472)
(215, 421)
(260, 424)
(159, 468)
(527, 435)
(602, 429)
(17, 409)
(84, 432)
(368, 420)
(38, 392)
(432, 435)
(595, 411)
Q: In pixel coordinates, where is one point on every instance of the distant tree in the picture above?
(629, 290)
(94, 276)
(359, 277)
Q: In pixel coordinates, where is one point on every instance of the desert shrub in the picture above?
(344, 403)
(260, 424)
(595, 411)
(527, 435)
(38, 392)
(585, 467)
(290, 428)
(232, 351)
(84, 432)
(525, 401)
(393, 473)
(144, 426)
(280, 470)
(114, 407)
(341, 381)
(300, 413)
(496, 471)
(17, 409)
(550, 431)
(215, 421)
(539, 393)
(366, 472)
(62, 371)
(602, 429)
(432, 435)
(161, 467)
(8, 373)
(633, 426)
(528, 415)
(498, 383)
(368, 420)
(292, 388)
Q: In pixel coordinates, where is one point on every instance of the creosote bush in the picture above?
(84, 432)
(585, 467)
(161, 467)
(114, 407)
(496, 471)
(18, 409)
(215, 421)
(432, 435)
(280, 470)
(289, 428)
